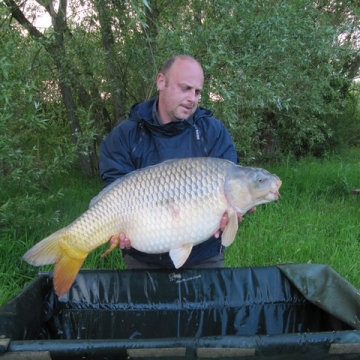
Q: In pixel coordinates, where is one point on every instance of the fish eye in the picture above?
(260, 178)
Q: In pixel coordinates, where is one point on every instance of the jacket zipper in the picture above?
(198, 138)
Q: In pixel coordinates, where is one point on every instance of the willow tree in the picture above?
(276, 72)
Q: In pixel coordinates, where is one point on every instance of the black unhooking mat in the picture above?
(282, 312)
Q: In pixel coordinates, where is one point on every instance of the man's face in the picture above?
(179, 90)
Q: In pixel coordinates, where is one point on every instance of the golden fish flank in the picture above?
(169, 207)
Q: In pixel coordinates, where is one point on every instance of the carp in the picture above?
(168, 207)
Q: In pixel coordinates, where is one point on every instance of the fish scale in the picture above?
(169, 207)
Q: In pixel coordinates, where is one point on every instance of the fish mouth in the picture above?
(275, 191)
(272, 196)
(276, 195)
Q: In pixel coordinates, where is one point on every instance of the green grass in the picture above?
(315, 221)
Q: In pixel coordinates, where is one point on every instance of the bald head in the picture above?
(168, 63)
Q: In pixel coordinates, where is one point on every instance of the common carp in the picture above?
(169, 207)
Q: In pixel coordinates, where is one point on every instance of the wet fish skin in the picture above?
(168, 207)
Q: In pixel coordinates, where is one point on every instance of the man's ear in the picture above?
(160, 81)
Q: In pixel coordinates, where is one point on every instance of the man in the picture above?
(166, 127)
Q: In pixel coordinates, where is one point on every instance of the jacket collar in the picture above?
(146, 113)
(156, 116)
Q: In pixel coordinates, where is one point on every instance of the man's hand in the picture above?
(116, 241)
(124, 241)
(225, 219)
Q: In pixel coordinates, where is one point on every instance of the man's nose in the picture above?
(192, 96)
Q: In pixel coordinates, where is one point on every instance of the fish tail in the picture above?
(65, 271)
(57, 250)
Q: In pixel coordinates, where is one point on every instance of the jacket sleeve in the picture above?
(219, 142)
(115, 154)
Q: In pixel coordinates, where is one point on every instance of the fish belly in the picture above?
(174, 225)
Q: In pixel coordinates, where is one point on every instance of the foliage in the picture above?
(274, 70)
(29, 158)
(277, 73)
(350, 124)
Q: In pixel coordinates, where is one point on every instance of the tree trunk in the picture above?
(108, 44)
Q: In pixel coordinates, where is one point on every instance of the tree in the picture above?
(29, 159)
(276, 69)
(278, 72)
(67, 76)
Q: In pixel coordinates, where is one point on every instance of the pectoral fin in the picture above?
(180, 255)
(230, 230)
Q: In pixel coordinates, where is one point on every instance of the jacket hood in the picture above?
(142, 113)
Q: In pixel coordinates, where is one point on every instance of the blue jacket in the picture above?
(140, 141)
